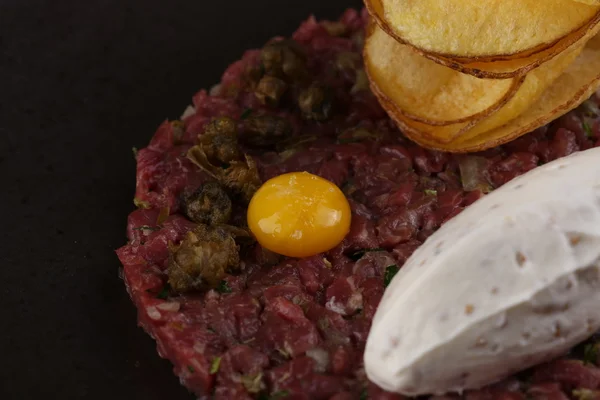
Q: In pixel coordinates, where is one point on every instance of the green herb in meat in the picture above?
(247, 112)
(591, 351)
(215, 365)
(223, 287)
(357, 255)
(390, 273)
(587, 130)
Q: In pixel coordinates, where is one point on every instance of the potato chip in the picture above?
(428, 92)
(481, 31)
(577, 83)
(424, 89)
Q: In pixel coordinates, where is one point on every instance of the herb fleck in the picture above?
(164, 292)
(357, 255)
(247, 112)
(279, 395)
(214, 367)
(587, 129)
(364, 395)
(430, 192)
(191, 369)
(135, 152)
(223, 287)
(590, 353)
(390, 272)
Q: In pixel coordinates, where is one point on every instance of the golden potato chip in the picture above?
(577, 83)
(589, 1)
(416, 91)
(520, 66)
(428, 92)
(480, 31)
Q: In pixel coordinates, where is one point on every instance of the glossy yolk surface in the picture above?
(299, 215)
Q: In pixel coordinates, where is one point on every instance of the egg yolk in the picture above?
(299, 215)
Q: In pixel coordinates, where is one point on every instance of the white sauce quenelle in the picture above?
(512, 281)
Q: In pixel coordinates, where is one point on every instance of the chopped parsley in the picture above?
(135, 152)
(247, 112)
(214, 367)
(587, 129)
(164, 292)
(390, 272)
(430, 192)
(357, 255)
(364, 395)
(590, 353)
(223, 287)
(191, 369)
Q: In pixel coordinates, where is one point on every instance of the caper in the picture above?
(209, 204)
(265, 130)
(315, 102)
(284, 58)
(202, 259)
(270, 90)
(219, 141)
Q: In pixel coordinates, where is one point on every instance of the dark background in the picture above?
(81, 82)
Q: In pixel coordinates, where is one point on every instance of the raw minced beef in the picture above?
(296, 328)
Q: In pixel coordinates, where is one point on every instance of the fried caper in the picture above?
(209, 204)
(202, 259)
(265, 130)
(219, 141)
(270, 90)
(315, 102)
(243, 177)
(284, 58)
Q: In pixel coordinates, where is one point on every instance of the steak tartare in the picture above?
(284, 328)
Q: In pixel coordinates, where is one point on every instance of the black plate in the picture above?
(81, 82)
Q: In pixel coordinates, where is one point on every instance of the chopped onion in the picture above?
(188, 112)
(321, 357)
(153, 313)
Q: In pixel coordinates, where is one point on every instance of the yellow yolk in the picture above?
(299, 215)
